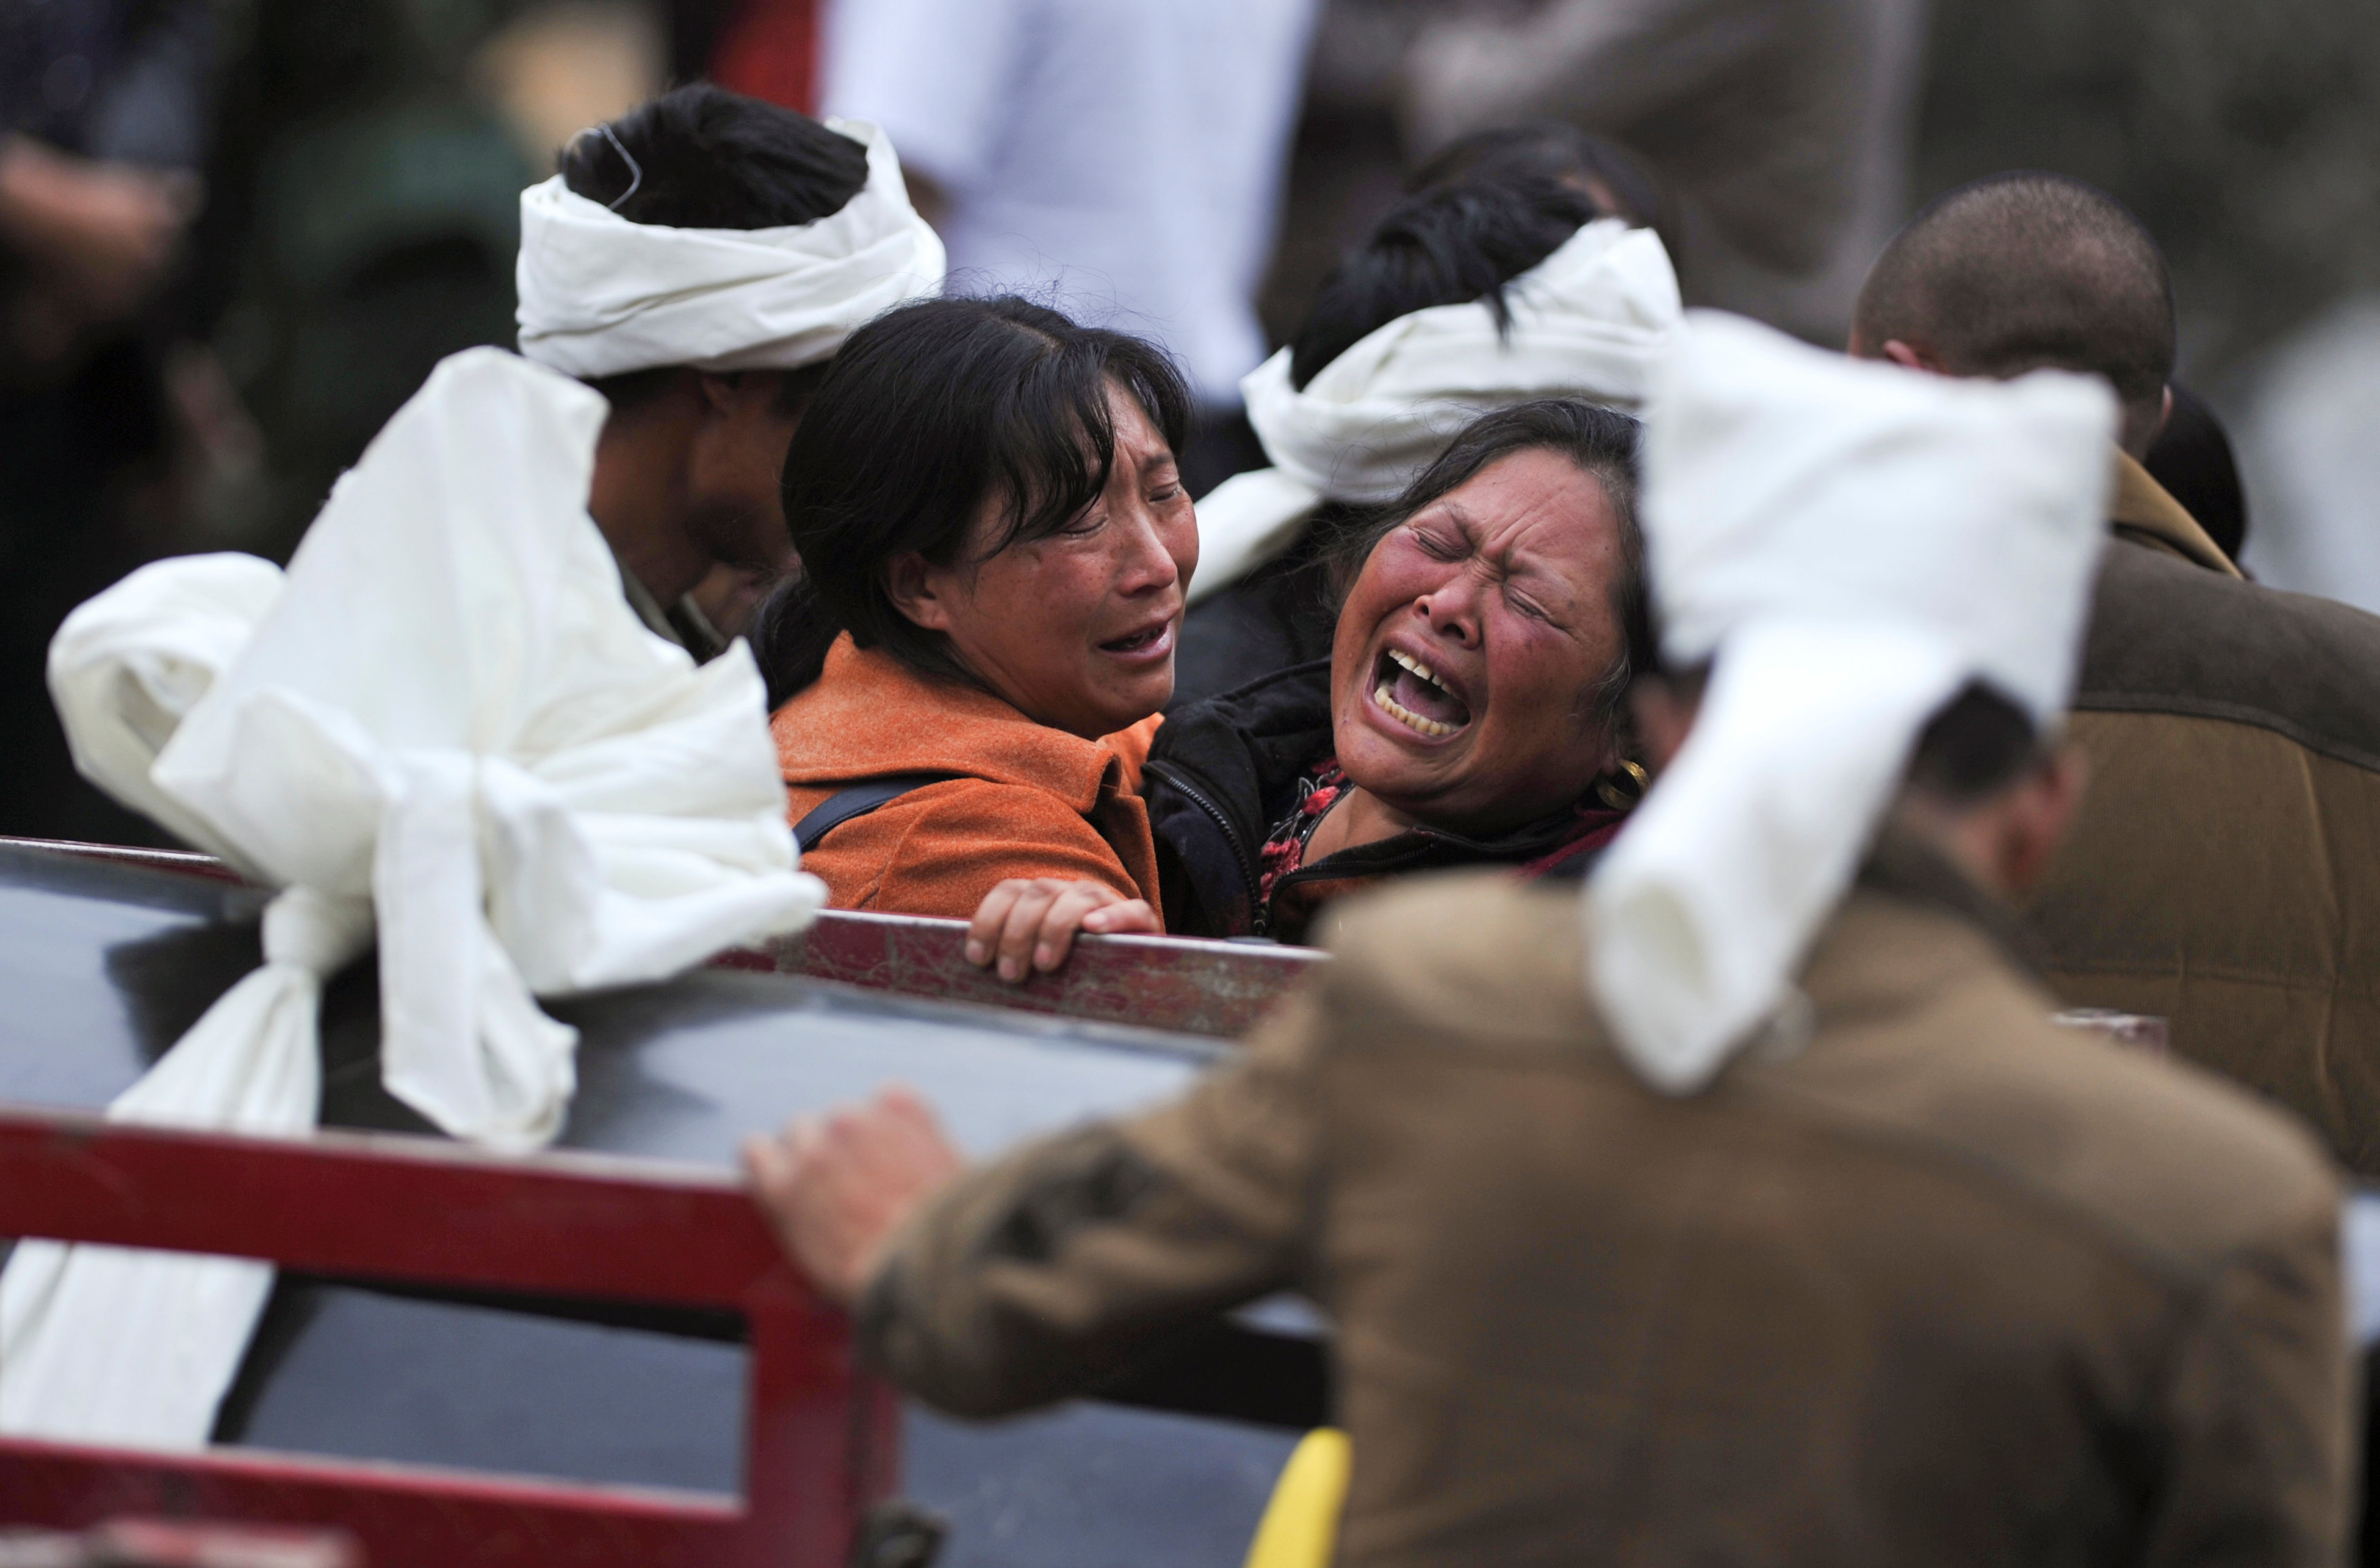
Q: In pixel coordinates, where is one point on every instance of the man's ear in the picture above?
(726, 394)
(2036, 816)
(1910, 356)
(915, 589)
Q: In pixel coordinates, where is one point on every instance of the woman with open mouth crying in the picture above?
(1470, 712)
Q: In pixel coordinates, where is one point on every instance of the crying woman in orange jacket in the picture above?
(995, 543)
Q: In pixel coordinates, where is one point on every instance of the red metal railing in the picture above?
(821, 1445)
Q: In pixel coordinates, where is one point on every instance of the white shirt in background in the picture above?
(1119, 159)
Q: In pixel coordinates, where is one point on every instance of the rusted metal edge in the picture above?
(1176, 983)
(1180, 984)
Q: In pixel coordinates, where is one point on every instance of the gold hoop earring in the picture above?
(1608, 790)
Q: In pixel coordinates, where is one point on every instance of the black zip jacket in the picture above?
(1223, 771)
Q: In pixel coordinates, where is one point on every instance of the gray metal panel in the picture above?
(106, 965)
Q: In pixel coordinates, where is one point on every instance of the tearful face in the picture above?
(1077, 630)
(1470, 650)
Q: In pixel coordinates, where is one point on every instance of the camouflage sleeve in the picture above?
(2259, 1431)
(1070, 1262)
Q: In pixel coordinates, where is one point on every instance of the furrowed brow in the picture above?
(1462, 524)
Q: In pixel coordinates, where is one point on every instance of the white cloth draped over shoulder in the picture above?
(1589, 321)
(1850, 543)
(601, 296)
(446, 726)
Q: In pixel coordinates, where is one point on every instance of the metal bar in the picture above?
(399, 1514)
(182, 862)
(354, 1203)
(821, 1444)
(1219, 988)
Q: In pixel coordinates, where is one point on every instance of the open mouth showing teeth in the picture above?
(1410, 692)
(1136, 641)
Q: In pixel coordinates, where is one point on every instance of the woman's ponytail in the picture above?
(790, 635)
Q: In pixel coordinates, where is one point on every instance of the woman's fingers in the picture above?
(1075, 909)
(1022, 932)
(1030, 923)
(1130, 917)
(990, 916)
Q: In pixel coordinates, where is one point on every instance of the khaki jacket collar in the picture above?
(2146, 512)
(1902, 866)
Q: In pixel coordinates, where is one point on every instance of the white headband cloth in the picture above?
(1589, 321)
(1850, 543)
(601, 296)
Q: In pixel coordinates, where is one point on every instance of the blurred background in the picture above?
(235, 235)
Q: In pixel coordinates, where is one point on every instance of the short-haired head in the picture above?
(703, 157)
(929, 411)
(1446, 244)
(2024, 271)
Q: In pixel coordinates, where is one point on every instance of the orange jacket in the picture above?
(1031, 801)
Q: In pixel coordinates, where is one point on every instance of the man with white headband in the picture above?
(698, 261)
(1763, 1214)
(1476, 294)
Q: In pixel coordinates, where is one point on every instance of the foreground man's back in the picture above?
(1946, 1284)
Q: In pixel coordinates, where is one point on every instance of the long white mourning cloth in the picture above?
(602, 295)
(1852, 543)
(1589, 320)
(446, 725)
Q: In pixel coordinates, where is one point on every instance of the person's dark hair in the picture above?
(1446, 244)
(929, 410)
(1555, 150)
(703, 157)
(1974, 746)
(1602, 442)
(2026, 270)
(2192, 457)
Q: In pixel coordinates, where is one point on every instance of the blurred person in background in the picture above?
(2224, 873)
(761, 48)
(1525, 271)
(2311, 450)
(365, 210)
(2245, 137)
(1120, 161)
(2193, 459)
(103, 123)
(1780, 131)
